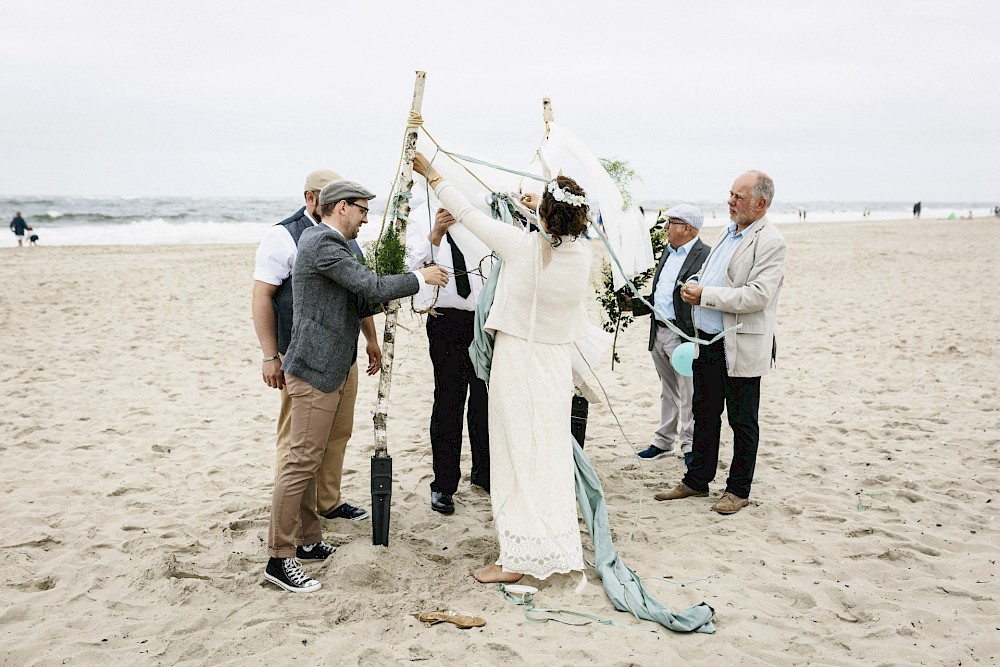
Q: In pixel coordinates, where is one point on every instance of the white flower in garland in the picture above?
(566, 197)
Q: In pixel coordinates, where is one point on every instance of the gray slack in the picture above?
(676, 390)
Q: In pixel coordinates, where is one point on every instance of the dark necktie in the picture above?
(461, 272)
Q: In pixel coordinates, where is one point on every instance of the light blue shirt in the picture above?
(714, 275)
(663, 294)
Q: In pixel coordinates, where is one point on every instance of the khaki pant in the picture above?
(294, 520)
(331, 468)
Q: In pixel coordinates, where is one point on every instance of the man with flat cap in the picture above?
(330, 287)
(272, 319)
(682, 258)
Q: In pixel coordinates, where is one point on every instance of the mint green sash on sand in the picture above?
(622, 585)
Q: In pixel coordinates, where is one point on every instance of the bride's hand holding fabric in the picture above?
(531, 200)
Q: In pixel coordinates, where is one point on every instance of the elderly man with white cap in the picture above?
(272, 318)
(332, 289)
(683, 257)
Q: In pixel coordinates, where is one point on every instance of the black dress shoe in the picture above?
(442, 502)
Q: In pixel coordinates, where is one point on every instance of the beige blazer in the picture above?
(750, 297)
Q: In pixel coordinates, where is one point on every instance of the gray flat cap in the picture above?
(340, 190)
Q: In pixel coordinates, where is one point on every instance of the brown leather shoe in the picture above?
(682, 490)
(730, 504)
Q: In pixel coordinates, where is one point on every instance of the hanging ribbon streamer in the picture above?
(663, 316)
(532, 613)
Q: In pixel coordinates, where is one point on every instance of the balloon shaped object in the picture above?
(683, 358)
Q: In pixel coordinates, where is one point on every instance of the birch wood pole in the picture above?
(401, 211)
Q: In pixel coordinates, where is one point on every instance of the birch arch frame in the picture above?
(381, 470)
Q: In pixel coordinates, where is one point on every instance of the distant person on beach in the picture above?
(18, 226)
(916, 210)
(449, 333)
(332, 289)
(739, 284)
(683, 257)
(272, 317)
(537, 316)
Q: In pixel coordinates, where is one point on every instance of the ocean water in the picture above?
(198, 220)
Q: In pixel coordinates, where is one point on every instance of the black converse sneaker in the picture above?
(288, 574)
(349, 512)
(318, 551)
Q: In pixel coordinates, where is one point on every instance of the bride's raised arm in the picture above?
(499, 237)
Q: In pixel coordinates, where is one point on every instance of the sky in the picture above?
(873, 100)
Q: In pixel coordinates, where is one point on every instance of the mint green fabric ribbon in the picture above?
(481, 349)
(663, 316)
(532, 613)
(498, 167)
(622, 585)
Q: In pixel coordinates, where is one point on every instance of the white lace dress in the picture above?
(537, 314)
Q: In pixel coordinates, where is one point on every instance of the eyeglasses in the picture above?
(363, 209)
(678, 222)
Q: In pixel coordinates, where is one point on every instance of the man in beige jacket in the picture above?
(738, 285)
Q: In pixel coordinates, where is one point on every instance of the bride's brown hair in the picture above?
(562, 218)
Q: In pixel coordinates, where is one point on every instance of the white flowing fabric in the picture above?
(627, 230)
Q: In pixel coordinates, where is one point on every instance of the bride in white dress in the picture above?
(537, 315)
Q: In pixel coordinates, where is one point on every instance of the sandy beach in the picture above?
(138, 449)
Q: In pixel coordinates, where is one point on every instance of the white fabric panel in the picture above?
(626, 230)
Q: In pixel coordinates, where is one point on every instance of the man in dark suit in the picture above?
(329, 287)
(682, 258)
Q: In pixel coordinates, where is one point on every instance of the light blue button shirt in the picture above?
(663, 295)
(714, 275)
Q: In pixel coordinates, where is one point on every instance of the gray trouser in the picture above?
(675, 395)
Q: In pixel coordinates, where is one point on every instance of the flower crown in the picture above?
(567, 197)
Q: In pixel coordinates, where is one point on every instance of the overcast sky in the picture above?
(857, 100)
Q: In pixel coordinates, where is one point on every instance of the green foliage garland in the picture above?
(623, 175)
(385, 256)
